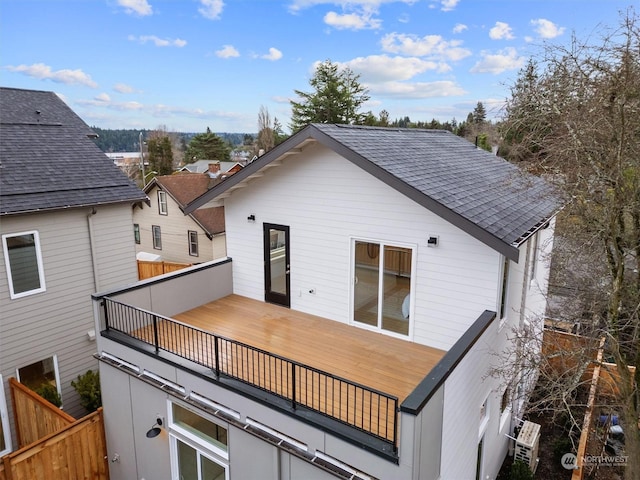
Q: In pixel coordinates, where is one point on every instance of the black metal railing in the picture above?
(355, 405)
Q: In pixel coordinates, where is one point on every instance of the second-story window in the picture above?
(504, 287)
(136, 233)
(193, 243)
(162, 202)
(157, 237)
(24, 263)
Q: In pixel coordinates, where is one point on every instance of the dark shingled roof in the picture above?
(482, 194)
(48, 161)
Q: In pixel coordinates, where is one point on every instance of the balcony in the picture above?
(325, 371)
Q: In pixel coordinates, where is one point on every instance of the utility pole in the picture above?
(144, 182)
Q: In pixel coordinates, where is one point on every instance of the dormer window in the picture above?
(162, 202)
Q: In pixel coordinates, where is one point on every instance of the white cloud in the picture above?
(273, 55)
(352, 21)
(459, 28)
(103, 97)
(44, 72)
(501, 31)
(429, 45)
(504, 60)
(546, 28)
(211, 9)
(227, 51)
(137, 7)
(123, 88)
(448, 5)
(157, 41)
(444, 88)
(382, 68)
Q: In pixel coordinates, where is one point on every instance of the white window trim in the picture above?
(194, 440)
(163, 208)
(153, 237)
(56, 373)
(192, 253)
(4, 418)
(484, 420)
(535, 249)
(36, 237)
(412, 286)
(503, 291)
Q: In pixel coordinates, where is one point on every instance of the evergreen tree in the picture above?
(207, 146)
(160, 155)
(336, 98)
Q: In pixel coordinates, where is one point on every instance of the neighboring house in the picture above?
(65, 214)
(374, 276)
(202, 166)
(161, 227)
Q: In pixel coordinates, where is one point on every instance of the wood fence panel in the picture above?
(35, 417)
(148, 269)
(78, 451)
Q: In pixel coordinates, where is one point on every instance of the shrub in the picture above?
(520, 471)
(49, 393)
(88, 387)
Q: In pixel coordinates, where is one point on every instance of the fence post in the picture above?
(216, 350)
(293, 386)
(155, 333)
(106, 313)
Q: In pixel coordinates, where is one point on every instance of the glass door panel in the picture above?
(396, 289)
(187, 462)
(276, 264)
(367, 280)
(211, 470)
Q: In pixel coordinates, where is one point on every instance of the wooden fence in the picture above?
(66, 449)
(148, 269)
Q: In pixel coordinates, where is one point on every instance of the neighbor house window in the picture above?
(504, 284)
(136, 233)
(43, 378)
(157, 237)
(193, 243)
(534, 256)
(382, 286)
(24, 263)
(162, 202)
(198, 446)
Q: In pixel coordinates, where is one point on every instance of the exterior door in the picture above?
(276, 264)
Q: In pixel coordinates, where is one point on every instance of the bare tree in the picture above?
(577, 119)
(266, 136)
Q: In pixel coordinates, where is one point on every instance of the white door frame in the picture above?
(4, 418)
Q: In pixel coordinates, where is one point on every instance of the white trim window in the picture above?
(136, 233)
(534, 255)
(504, 291)
(162, 203)
(383, 286)
(5, 433)
(193, 242)
(43, 377)
(23, 259)
(157, 237)
(199, 446)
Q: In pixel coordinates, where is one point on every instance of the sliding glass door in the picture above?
(382, 286)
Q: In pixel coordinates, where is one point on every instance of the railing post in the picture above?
(216, 350)
(106, 314)
(396, 411)
(155, 333)
(293, 386)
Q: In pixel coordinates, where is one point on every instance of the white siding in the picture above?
(56, 321)
(327, 201)
(174, 228)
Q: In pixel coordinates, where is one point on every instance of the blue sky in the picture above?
(192, 64)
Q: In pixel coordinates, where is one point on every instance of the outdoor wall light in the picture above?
(251, 218)
(155, 430)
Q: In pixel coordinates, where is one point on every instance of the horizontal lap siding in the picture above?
(56, 322)
(173, 227)
(327, 201)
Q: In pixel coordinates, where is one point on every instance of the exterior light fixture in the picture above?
(251, 218)
(155, 430)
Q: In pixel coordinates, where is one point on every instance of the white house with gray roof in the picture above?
(66, 227)
(372, 276)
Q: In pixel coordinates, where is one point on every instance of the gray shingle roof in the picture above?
(482, 194)
(48, 161)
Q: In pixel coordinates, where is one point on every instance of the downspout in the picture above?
(94, 262)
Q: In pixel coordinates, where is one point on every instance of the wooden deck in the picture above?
(371, 359)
